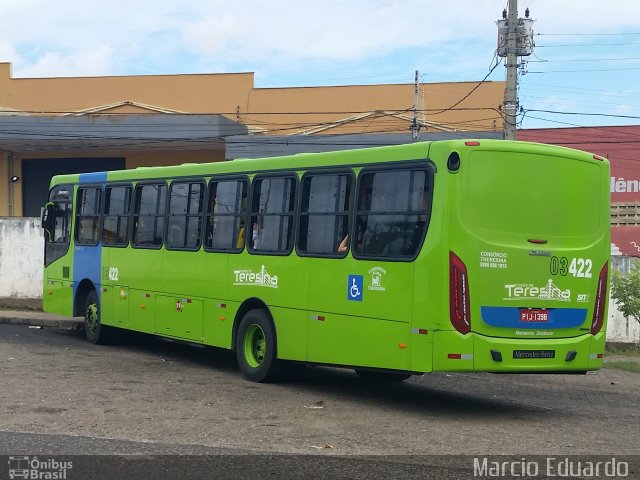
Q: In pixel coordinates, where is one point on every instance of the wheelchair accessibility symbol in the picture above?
(354, 288)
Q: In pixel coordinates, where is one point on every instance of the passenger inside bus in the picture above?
(256, 236)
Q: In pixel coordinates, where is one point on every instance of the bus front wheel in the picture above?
(256, 347)
(94, 331)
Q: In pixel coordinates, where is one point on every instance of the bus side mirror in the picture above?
(48, 220)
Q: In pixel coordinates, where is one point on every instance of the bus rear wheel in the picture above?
(94, 331)
(256, 347)
(381, 377)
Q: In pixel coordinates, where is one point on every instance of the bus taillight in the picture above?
(601, 298)
(459, 307)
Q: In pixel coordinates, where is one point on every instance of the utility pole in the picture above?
(415, 127)
(515, 39)
(510, 92)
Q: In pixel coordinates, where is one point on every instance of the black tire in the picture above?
(381, 377)
(256, 348)
(94, 331)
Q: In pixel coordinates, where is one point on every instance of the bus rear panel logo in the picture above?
(530, 292)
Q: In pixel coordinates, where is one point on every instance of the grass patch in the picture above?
(628, 349)
(628, 366)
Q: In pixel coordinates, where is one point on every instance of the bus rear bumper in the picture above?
(473, 352)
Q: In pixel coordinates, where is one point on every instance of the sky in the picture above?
(584, 69)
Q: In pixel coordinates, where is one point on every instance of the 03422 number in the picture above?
(577, 267)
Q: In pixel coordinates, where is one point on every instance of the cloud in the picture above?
(129, 36)
(82, 63)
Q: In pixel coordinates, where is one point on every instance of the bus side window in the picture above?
(226, 215)
(186, 202)
(148, 215)
(272, 209)
(115, 223)
(88, 215)
(392, 213)
(324, 214)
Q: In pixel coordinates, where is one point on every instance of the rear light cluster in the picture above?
(459, 305)
(601, 301)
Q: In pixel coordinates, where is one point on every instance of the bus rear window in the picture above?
(538, 195)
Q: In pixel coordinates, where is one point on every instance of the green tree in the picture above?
(625, 290)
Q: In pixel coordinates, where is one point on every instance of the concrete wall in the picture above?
(620, 328)
(21, 259)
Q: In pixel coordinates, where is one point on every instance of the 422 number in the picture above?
(576, 267)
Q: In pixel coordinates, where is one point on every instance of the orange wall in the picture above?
(276, 110)
(209, 93)
(349, 101)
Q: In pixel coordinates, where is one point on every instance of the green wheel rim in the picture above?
(255, 346)
(92, 317)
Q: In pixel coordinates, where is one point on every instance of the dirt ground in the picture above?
(149, 390)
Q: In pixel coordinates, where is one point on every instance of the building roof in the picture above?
(122, 132)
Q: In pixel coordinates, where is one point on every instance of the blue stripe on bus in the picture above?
(509, 317)
(87, 259)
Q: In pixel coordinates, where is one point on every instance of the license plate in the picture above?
(534, 315)
(534, 354)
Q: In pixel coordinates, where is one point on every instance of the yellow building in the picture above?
(80, 124)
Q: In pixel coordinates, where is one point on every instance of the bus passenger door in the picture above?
(56, 221)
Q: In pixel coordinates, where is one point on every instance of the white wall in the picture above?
(21, 257)
(621, 328)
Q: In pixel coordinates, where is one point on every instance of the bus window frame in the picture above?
(205, 191)
(294, 214)
(76, 214)
(53, 250)
(243, 215)
(350, 212)
(426, 165)
(129, 216)
(155, 181)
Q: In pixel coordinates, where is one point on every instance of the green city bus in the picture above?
(468, 256)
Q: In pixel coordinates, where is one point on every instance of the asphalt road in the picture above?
(63, 396)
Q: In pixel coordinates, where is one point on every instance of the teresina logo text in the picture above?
(257, 279)
(521, 291)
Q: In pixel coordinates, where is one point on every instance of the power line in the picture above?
(471, 92)
(612, 103)
(584, 113)
(588, 70)
(586, 34)
(587, 45)
(575, 89)
(563, 60)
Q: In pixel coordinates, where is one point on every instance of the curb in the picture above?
(39, 319)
